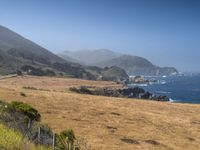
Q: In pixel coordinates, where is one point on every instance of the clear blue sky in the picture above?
(167, 32)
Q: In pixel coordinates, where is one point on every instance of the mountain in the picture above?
(89, 57)
(8, 63)
(18, 54)
(68, 58)
(133, 65)
(16, 45)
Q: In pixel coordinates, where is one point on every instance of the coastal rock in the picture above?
(135, 92)
(132, 92)
(161, 98)
(146, 95)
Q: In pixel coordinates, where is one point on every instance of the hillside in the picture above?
(107, 122)
(18, 53)
(19, 46)
(89, 57)
(112, 73)
(133, 65)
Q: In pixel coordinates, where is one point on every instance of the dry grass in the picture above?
(108, 123)
(13, 140)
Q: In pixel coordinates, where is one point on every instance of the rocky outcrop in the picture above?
(135, 92)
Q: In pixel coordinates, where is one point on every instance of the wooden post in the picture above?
(39, 130)
(29, 123)
(67, 144)
(54, 141)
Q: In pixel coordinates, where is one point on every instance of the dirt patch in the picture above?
(129, 141)
(191, 139)
(153, 142)
(196, 122)
(110, 127)
(116, 114)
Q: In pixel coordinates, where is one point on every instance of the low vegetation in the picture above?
(30, 70)
(33, 88)
(11, 139)
(26, 109)
(20, 128)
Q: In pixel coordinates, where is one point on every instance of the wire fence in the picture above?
(41, 134)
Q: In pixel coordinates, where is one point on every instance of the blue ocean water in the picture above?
(184, 89)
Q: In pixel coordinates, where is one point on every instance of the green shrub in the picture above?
(26, 109)
(66, 140)
(26, 119)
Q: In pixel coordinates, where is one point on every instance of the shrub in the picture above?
(22, 94)
(66, 140)
(81, 90)
(26, 109)
(29, 88)
(19, 73)
(25, 119)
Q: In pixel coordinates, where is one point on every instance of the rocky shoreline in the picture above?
(135, 92)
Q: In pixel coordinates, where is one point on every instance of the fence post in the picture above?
(54, 141)
(29, 123)
(39, 130)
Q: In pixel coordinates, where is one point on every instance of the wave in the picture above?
(162, 82)
(134, 84)
(175, 101)
(163, 92)
(171, 100)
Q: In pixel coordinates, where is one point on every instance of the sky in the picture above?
(167, 32)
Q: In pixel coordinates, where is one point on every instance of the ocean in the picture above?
(182, 89)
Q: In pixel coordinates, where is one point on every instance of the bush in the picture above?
(29, 88)
(22, 94)
(66, 140)
(26, 109)
(19, 73)
(81, 90)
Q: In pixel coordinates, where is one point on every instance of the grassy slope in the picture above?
(11, 139)
(104, 121)
(9, 39)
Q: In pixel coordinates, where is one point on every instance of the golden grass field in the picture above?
(108, 123)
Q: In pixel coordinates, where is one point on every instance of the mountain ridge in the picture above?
(133, 65)
(12, 40)
(95, 55)
(18, 54)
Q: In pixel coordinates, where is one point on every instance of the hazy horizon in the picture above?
(166, 33)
